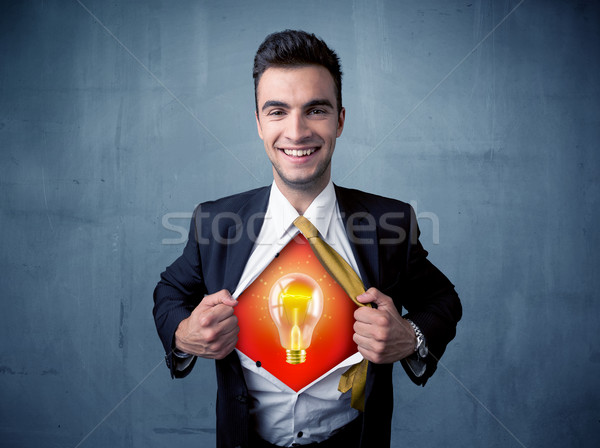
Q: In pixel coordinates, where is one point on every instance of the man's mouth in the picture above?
(298, 152)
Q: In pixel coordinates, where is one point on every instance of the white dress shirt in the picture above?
(281, 415)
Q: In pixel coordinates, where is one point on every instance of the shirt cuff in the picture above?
(418, 366)
(181, 360)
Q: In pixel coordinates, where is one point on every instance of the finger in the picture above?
(374, 357)
(221, 312)
(229, 325)
(224, 339)
(219, 300)
(377, 351)
(218, 334)
(373, 295)
(366, 297)
(227, 340)
(366, 345)
(226, 349)
(365, 353)
(372, 316)
(209, 317)
(364, 314)
(375, 333)
(222, 297)
(364, 330)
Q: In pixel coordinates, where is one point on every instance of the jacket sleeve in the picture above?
(431, 301)
(179, 291)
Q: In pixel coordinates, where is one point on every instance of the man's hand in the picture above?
(382, 335)
(212, 328)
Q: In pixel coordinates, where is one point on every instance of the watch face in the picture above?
(423, 352)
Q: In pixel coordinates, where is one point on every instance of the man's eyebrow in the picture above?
(312, 103)
(318, 102)
(274, 103)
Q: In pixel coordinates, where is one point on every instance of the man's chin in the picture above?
(299, 184)
(305, 181)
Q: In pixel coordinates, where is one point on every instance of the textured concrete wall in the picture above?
(116, 118)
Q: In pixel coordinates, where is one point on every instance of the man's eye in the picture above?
(275, 113)
(316, 112)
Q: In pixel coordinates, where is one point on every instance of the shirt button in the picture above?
(258, 364)
(300, 434)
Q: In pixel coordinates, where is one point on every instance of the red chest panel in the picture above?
(261, 336)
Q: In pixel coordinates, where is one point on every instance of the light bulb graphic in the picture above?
(296, 305)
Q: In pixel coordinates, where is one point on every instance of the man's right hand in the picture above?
(211, 330)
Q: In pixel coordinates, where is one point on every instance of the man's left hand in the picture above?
(382, 335)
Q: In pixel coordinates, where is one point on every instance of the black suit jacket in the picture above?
(383, 234)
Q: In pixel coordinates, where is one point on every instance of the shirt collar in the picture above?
(320, 212)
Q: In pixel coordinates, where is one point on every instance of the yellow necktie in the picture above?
(356, 376)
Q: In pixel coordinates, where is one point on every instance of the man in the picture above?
(299, 116)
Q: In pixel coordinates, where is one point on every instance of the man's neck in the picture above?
(300, 198)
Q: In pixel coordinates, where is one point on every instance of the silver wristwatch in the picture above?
(421, 346)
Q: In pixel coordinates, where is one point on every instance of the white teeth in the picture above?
(299, 152)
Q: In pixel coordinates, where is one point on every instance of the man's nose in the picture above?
(297, 127)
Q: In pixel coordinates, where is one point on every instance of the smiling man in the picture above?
(299, 122)
(369, 238)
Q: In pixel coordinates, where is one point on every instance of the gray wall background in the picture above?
(115, 115)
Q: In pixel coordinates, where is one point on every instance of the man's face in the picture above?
(298, 121)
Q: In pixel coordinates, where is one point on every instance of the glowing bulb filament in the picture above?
(295, 336)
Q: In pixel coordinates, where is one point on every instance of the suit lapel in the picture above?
(243, 235)
(362, 234)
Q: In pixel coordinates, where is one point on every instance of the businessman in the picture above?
(299, 116)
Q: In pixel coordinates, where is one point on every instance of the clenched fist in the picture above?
(212, 328)
(382, 335)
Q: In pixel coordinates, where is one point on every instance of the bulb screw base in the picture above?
(295, 356)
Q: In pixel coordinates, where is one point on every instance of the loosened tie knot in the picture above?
(306, 227)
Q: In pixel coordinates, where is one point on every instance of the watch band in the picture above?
(420, 346)
(181, 355)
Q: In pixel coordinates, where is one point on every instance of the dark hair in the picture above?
(292, 48)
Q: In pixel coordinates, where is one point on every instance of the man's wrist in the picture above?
(179, 338)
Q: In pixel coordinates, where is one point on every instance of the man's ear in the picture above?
(341, 120)
(258, 125)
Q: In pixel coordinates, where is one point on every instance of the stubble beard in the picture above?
(313, 182)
